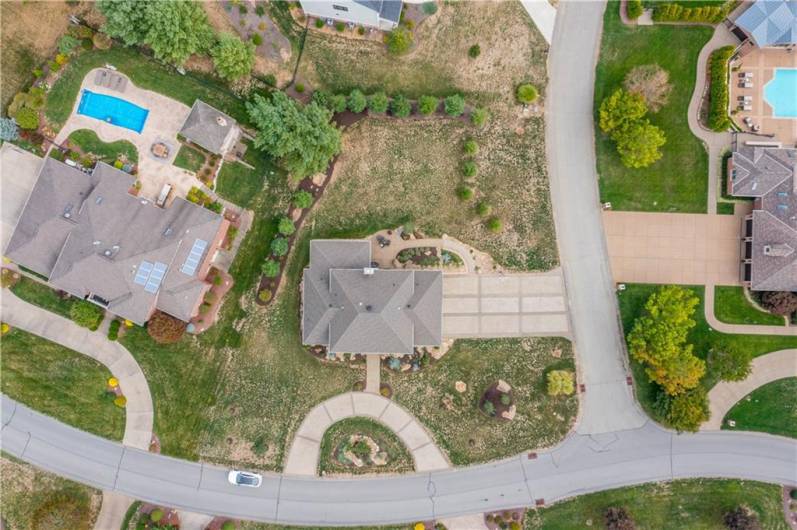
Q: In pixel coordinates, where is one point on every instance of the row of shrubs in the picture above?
(466, 192)
(633, 9)
(399, 105)
(718, 119)
(679, 13)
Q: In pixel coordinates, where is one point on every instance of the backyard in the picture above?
(632, 302)
(771, 408)
(678, 181)
(694, 504)
(60, 383)
(240, 184)
(89, 143)
(189, 158)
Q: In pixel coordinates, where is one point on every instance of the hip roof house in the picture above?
(350, 307)
(380, 14)
(94, 240)
(770, 23)
(769, 233)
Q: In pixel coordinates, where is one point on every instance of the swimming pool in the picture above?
(113, 110)
(781, 93)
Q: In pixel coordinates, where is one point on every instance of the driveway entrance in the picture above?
(672, 248)
(504, 305)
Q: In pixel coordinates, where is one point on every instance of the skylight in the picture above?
(194, 257)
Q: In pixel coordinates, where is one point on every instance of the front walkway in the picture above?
(740, 329)
(766, 368)
(306, 447)
(164, 121)
(544, 16)
(674, 248)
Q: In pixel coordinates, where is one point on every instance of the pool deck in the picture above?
(762, 62)
(166, 117)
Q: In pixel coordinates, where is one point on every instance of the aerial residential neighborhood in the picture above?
(385, 264)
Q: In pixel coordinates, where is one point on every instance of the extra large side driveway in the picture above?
(504, 305)
(694, 249)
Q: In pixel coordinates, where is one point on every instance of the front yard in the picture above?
(43, 296)
(732, 306)
(353, 437)
(771, 408)
(678, 181)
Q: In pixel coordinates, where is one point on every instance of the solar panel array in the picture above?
(194, 257)
(150, 275)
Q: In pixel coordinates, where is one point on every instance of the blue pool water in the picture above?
(781, 93)
(112, 110)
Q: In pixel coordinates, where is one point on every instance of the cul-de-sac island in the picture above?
(385, 264)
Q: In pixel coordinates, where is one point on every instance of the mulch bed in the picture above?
(170, 516)
(493, 519)
(493, 395)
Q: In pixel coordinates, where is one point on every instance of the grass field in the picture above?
(731, 306)
(677, 182)
(632, 302)
(34, 499)
(771, 408)
(398, 456)
(692, 504)
(470, 436)
(189, 158)
(43, 296)
(89, 142)
(61, 383)
(241, 185)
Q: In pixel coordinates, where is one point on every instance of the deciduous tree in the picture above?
(620, 109)
(233, 57)
(639, 143)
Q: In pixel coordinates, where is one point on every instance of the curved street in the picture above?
(614, 444)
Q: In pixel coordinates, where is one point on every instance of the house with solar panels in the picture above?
(93, 239)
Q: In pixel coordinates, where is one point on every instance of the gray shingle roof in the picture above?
(107, 239)
(207, 127)
(387, 9)
(770, 22)
(382, 311)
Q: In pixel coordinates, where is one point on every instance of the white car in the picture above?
(244, 478)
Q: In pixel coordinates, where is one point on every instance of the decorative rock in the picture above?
(460, 386)
(503, 386)
(557, 352)
(297, 212)
(448, 402)
(509, 414)
(318, 179)
(379, 459)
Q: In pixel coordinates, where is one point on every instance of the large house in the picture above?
(379, 14)
(769, 23)
(93, 239)
(350, 307)
(210, 128)
(769, 233)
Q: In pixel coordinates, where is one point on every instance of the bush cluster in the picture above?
(679, 13)
(113, 330)
(165, 329)
(718, 100)
(633, 9)
(302, 199)
(622, 117)
(86, 314)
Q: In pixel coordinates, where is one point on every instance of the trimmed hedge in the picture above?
(633, 9)
(718, 119)
(679, 13)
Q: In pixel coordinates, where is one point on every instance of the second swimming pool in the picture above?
(113, 110)
(781, 93)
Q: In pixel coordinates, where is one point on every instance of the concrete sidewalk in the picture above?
(544, 16)
(306, 447)
(766, 368)
(740, 329)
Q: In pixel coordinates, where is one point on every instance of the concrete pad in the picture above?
(340, 407)
(541, 284)
(315, 424)
(507, 304)
(460, 285)
(395, 417)
(544, 323)
(498, 325)
(543, 304)
(414, 436)
(500, 285)
(302, 458)
(429, 458)
(460, 305)
(369, 404)
(460, 325)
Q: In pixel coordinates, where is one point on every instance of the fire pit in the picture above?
(160, 149)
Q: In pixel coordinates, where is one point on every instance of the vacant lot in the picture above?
(34, 499)
(694, 504)
(678, 181)
(771, 408)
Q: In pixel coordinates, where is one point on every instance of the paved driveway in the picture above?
(18, 172)
(504, 305)
(694, 249)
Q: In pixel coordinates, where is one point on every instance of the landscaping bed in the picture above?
(732, 306)
(771, 408)
(61, 383)
(359, 446)
(88, 143)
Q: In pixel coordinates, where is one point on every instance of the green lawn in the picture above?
(146, 73)
(189, 158)
(731, 306)
(678, 181)
(240, 184)
(770, 408)
(43, 296)
(89, 142)
(632, 302)
(678, 505)
(725, 208)
(336, 438)
(61, 383)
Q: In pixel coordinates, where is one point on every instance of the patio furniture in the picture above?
(747, 107)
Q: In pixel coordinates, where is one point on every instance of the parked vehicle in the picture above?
(244, 478)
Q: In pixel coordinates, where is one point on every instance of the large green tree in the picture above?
(620, 110)
(303, 138)
(233, 57)
(126, 20)
(638, 144)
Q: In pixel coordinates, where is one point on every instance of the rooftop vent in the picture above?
(221, 121)
(98, 200)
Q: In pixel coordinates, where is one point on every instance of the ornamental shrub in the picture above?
(113, 330)
(285, 226)
(470, 147)
(264, 295)
(337, 103)
(357, 101)
(474, 51)
(469, 168)
(454, 105)
(165, 329)
(560, 382)
(86, 314)
(120, 401)
(260, 11)
(399, 41)
(257, 39)
(465, 193)
(782, 303)
(299, 88)
(483, 208)
(427, 105)
(279, 246)
(400, 106)
(730, 362)
(229, 525)
(526, 93)
(489, 408)
(478, 117)
(319, 23)
(340, 26)
(67, 43)
(494, 225)
(27, 118)
(429, 8)
(378, 103)
(156, 515)
(8, 129)
(634, 9)
(270, 268)
(302, 199)
(360, 30)
(718, 98)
